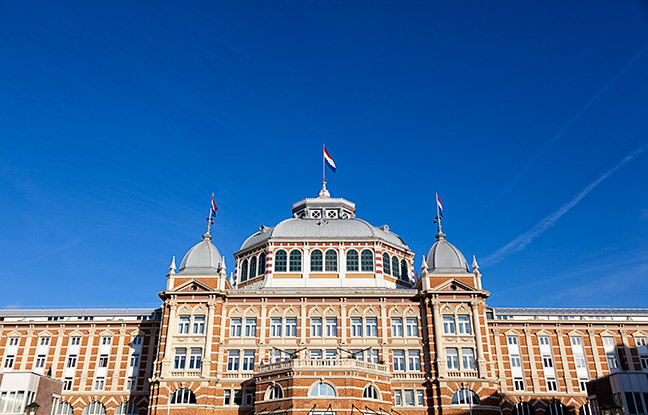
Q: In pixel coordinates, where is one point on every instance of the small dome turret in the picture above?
(202, 259)
(444, 257)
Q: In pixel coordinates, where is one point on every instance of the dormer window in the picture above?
(332, 214)
(316, 214)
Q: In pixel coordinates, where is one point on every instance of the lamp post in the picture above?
(616, 409)
(32, 408)
(605, 410)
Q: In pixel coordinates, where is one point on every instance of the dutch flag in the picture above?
(328, 159)
(439, 207)
(213, 205)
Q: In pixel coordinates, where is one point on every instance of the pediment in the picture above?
(315, 312)
(275, 312)
(576, 333)
(512, 332)
(331, 312)
(291, 312)
(192, 285)
(607, 333)
(236, 312)
(76, 333)
(45, 334)
(411, 312)
(14, 333)
(639, 333)
(251, 312)
(455, 285)
(370, 312)
(395, 312)
(106, 333)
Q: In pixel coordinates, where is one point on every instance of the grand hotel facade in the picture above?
(328, 317)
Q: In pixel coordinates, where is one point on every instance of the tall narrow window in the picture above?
(452, 358)
(316, 327)
(371, 327)
(180, 358)
(467, 359)
(386, 264)
(250, 327)
(413, 361)
(412, 327)
(464, 324)
(352, 260)
(244, 270)
(366, 261)
(195, 358)
(399, 360)
(316, 261)
(356, 327)
(262, 263)
(253, 267)
(183, 324)
(275, 327)
(291, 327)
(235, 327)
(295, 260)
(397, 326)
(448, 325)
(395, 267)
(281, 261)
(248, 360)
(403, 273)
(233, 359)
(199, 325)
(330, 261)
(331, 327)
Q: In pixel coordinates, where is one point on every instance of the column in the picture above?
(114, 380)
(383, 317)
(499, 359)
(532, 361)
(303, 316)
(595, 354)
(343, 320)
(481, 362)
(209, 340)
(167, 359)
(563, 359)
(263, 318)
(438, 336)
(626, 350)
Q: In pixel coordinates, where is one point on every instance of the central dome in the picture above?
(444, 257)
(202, 259)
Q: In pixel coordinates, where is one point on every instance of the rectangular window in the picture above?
(576, 341)
(131, 383)
(183, 324)
(411, 326)
(640, 407)
(72, 360)
(248, 360)
(632, 408)
(199, 325)
(103, 360)
(250, 327)
(420, 400)
(413, 361)
(233, 360)
(452, 359)
(357, 354)
(552, 385)
(467, 359)
(544, 340)
(249, 397)
(40, 361)
(235, 327)
(238, 397)
(579, 360)
(44, 341)
(331, 327)
(316, 327)
(9, 361)
(180, 358)
(136, 341)
(331, 354)
(640, 341)
(398, 399)
(582, 384)
(515, 360)
(372, 356)
(356, 327)
(134, 360)
(195, 358)
(275, 327)
(399, 360)
(75, 341)
(106, 341)
(228, 397)
(612, 360)
(408, 395)
(512, 340)
(644, 364)
(99, 384)
(316, 354)
(448, 325)
(518, 384)
(547, 361)
(67, 384)
(397, 327)
(371, 327)
(13, 341)
(463, 323)
(291, 327)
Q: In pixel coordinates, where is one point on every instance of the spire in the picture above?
(210, 222)
(439, 207)
(324, 192)
(424, 267)
(475, 266)
(223, 268)
(172, 267)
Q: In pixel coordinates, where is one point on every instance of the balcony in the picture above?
(185, 373)
(322, 364)
(463, 374)
(408, 375)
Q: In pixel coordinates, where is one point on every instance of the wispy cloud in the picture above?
(520, 242)
(517, 178)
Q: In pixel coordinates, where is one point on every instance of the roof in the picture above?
(202, 259)
(444, 257)
(570, 311)
(347, 229)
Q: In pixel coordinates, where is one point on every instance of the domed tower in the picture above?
(324, 244)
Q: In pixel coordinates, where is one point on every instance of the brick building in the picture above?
(328, 316)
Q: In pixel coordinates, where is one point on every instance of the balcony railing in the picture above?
(321, 364)
(462, 374)
(407, 375)
(185, 373)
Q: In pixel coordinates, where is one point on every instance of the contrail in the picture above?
(519, 175)
(524, 239)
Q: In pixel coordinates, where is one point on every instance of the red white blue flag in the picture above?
(328, 160)
(213, 205)
(439, 207)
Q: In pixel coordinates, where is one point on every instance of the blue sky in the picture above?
(119, 119)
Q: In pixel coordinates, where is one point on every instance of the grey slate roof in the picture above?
(74, 312)
(202, 259)
(444, 257)
(308, 229)
(569, 311)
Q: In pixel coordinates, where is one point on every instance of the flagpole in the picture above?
(323, 164)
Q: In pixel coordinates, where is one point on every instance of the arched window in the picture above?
(523, 408)
(244, 270)
(330, 261)
(465, 397)
(556, 408)
(281, 260)
(126, 408)
(274, 392)
(262, 263)
(322, 390)
(64, 408)
(183, 396)
(366, 261)
(352, 260)
(403, 270)
(386, 264)
(395, 267)
(295, 260)
(316, 260)
(253, 267)
(94, 408)
(370, 392)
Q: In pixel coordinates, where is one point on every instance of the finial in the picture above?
(172, 267)
(324, 192)
(223, 267)
(210, 222)
(424, 264)
(475, 266)
(440, 235)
